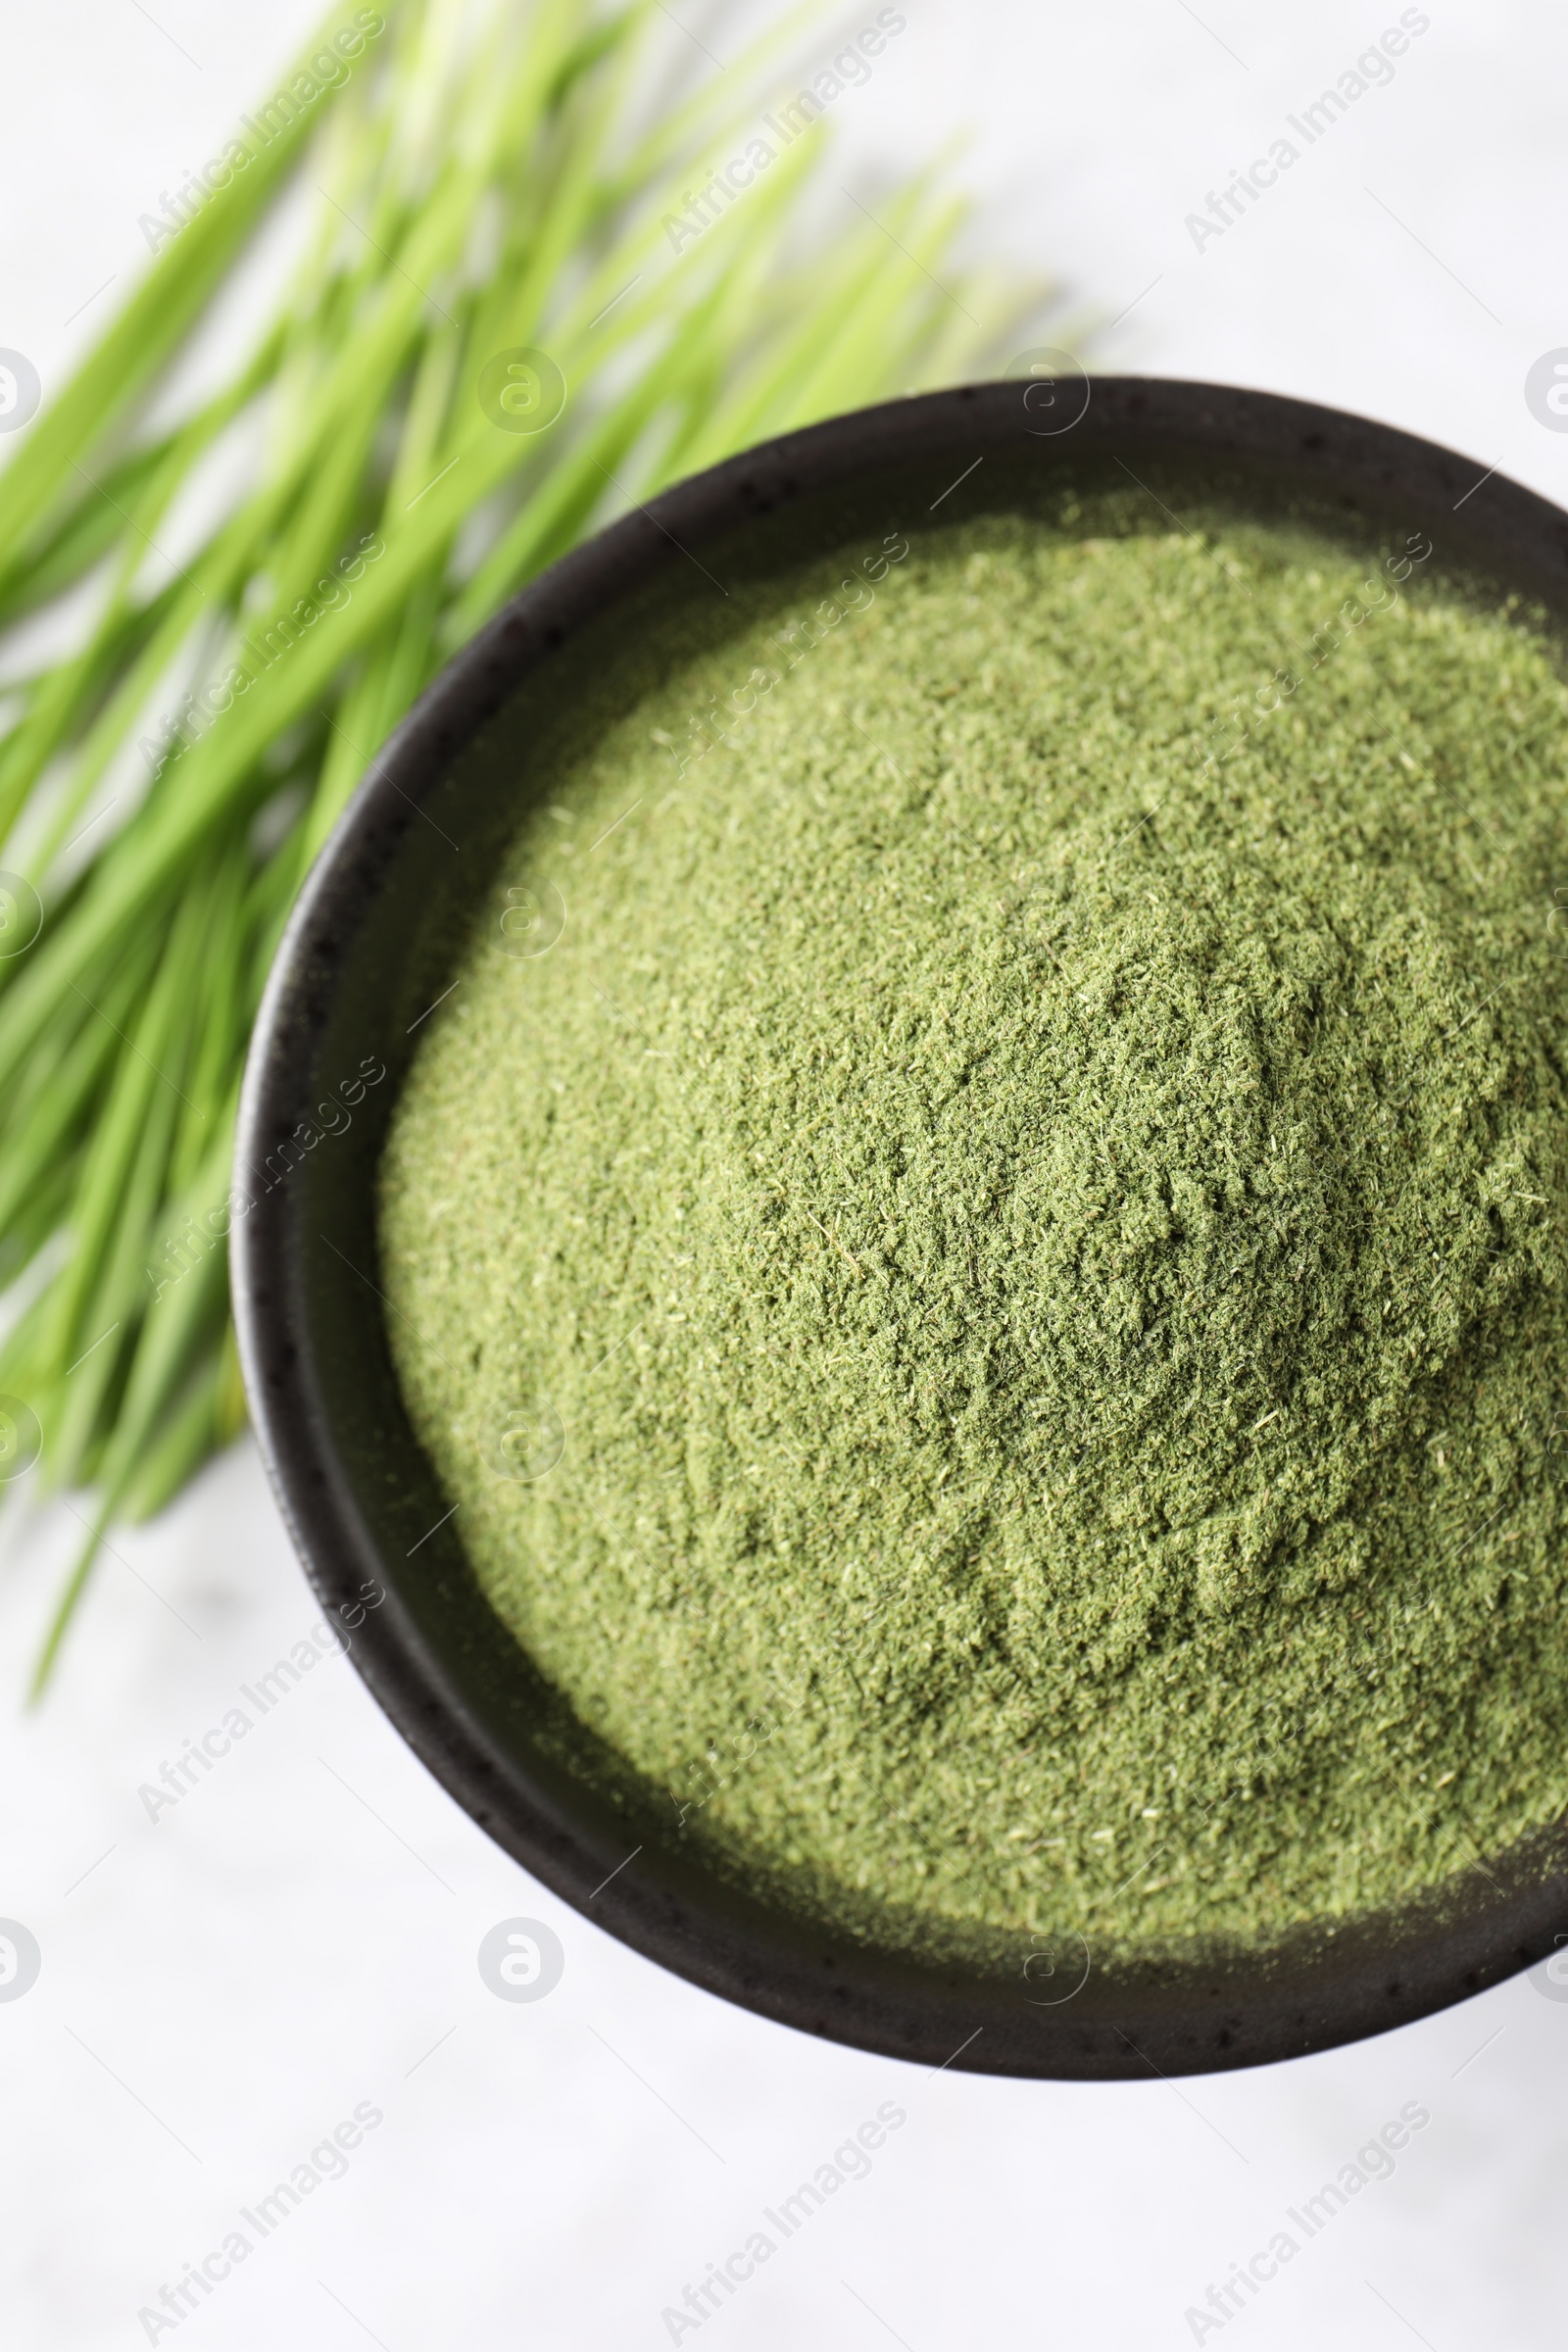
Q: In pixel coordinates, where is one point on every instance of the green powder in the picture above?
(994, 1303)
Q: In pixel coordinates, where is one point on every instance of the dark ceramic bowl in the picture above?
(373, 943)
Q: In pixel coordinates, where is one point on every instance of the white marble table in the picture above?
(294, 1940)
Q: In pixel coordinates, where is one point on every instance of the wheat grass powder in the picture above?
(981, 1245)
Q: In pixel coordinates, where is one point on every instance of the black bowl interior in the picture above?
(374, 942)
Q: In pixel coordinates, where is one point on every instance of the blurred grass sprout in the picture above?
(253, 593)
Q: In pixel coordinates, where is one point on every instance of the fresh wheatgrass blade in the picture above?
(127, 1163)
(205, 588)
(175, 1392)
(555, 517)
(126, 632)
(489, 176)
(84, 533)
(206, 1416)
(173, 826)
(353, 371)
(59, 1088)
(136, 349)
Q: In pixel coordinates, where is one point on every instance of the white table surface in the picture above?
(222, 1986)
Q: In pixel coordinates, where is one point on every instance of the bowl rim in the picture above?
(1202, 2015)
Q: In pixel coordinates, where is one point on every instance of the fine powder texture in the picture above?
(994, 1302)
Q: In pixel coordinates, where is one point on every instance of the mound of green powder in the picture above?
(994, 1302)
